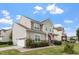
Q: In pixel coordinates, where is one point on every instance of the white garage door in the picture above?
(0, 38)
(21, 42)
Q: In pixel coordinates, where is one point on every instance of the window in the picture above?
(46, 28)
(37, 38)
(50, 29)
(37, 26)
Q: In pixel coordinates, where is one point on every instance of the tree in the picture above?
(69, 48)
(77, 33)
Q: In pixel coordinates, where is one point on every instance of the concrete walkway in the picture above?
(8, 48)
(31, 49)
(23, 49)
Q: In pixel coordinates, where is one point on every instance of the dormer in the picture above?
(47, 26)
(35, 25)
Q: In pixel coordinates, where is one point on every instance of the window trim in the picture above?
(37, 37)
(37, 26)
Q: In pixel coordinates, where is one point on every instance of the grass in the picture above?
(9, 52)
(48, 51)
(5, 45)
(58, 50)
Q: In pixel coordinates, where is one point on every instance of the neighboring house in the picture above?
(59, 34)
(5, 35)
(29, 28)
(75, 37)
(68, 38)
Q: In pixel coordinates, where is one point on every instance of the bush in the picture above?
(69, 48)
(37, 44)
(6, 43)
(31, 44)
(10, 43)
(2, 43)
(44, 43)
(57, 42)
(41, 44)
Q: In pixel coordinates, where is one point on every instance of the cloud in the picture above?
(58, 25)
(50, 7)
(53, 9)
(38, 8)
(69, 33)
(67, 28)
(5, 12)
(68, 21)
(7, 18)
(6, 21)
(18, 16)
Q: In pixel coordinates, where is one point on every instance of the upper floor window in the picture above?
(50, 30)
(46, 28)
(37, 26)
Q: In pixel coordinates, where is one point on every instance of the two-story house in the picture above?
(59, 34)
(29, 28)
(5, 35)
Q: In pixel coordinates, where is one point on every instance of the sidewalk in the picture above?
(8, 48)
(23, 49)
(31, 49)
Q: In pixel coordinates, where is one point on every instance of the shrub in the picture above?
(30, 43)
(37, 44)
(41, 44)
(44, 43)
(57, 42)
(2, 43)
(69, 48)
(6, 43)
(10, 43)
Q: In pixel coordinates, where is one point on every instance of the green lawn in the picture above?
(58, 50)
(10, 52)
(5, 45)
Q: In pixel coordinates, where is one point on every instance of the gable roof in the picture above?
(42, 22)
(32, 20)
(22, 25)
(38, 21)
(30, 30)
(59, 29)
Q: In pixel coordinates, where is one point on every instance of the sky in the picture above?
(61, 14)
